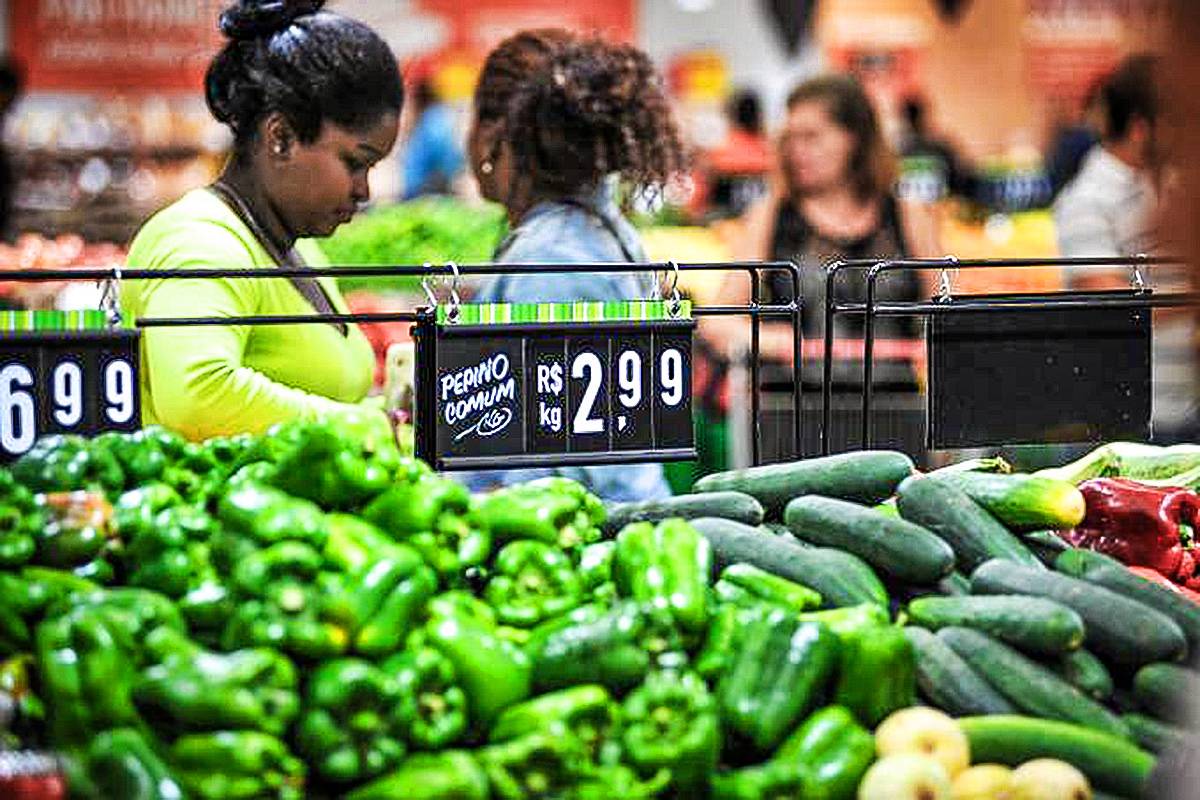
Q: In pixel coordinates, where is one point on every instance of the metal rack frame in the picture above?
(755, 310)
(871, 309)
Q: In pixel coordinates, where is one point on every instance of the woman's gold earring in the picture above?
(486, 168)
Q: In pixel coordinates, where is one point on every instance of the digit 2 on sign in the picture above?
(584, 422)
(18, 420)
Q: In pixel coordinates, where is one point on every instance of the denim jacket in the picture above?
(588, 229)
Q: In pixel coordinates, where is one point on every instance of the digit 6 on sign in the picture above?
(17, 418)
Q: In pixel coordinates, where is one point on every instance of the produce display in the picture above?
(433, 230)
(311, 613)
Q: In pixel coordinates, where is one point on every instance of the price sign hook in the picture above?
(110, 298)
(946, 281)
(455, 300)
(1136, 278)
(674, 304)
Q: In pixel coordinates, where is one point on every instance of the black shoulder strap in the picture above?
(309, 288)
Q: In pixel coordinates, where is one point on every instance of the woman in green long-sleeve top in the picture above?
(313, 100)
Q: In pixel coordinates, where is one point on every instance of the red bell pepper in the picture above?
(1162, 580)
(1142, 526)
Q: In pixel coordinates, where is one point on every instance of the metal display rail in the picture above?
(1140, 296)
(450, 274)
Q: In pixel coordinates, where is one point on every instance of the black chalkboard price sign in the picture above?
(553, 393)
(66, 382)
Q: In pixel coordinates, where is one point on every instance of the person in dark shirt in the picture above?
(921, 142)
(11, 83)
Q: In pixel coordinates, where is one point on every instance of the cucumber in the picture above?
(972, 533)
(1023, 502)
(990, 464)
(1104, 571)
(949, 682)
(729, 505)
(895, 547)
(1111, 763)
(1154, 735)
(1046, 545)
(1086, 673)
(1167, 691)
(1027, 684)
(867, 477)
(840, 578)
(1119, 630)
(954, 585)
(1033, 624)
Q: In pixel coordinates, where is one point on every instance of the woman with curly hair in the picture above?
(562, 122)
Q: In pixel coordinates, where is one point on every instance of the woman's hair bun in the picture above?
(258, 19)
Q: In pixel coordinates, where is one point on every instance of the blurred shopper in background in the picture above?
(1109, 208)
(921, 142)
(735, 174)
(433, 157)
(1075, 131)
(832, 197)
(558, 119)
(11, 83)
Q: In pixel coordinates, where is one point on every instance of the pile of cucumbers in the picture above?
(1041, 649)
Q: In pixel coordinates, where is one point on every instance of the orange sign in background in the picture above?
(95, 46)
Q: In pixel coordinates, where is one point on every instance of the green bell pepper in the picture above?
(614, 647)
(354, 544)
(493, 673)
(237, 765)
(742, 583)
(450, 775)
(556, 511)
(121, 763)
(587, 713)
(770, 781)
(460, 602)
(131, 616)
(851, 619)
(335, 469)
(596, 565)
(29, 712)
(350, 731)
(163, 557)
(667, 565)
(140, 454)
(253, 689)
(27, 596)
(434, 516)
(67, 464)
(783, 667)
(78, 526)
(258, 516)
(878, 673)
(21, 522)
(671, 723)
(833, 750)
(86, 677)
(207, 607)
(532, 582)
(538, 765)
(284, 607)
(432, 705)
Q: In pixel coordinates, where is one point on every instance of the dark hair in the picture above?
(1130, 93)
(290, 57)
(914, 113)
(12, 77)
(746, 111)
(872, 165)
(576, 109)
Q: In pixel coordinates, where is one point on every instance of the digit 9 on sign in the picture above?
(670, 373)
(66, 392)
(118, 391)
